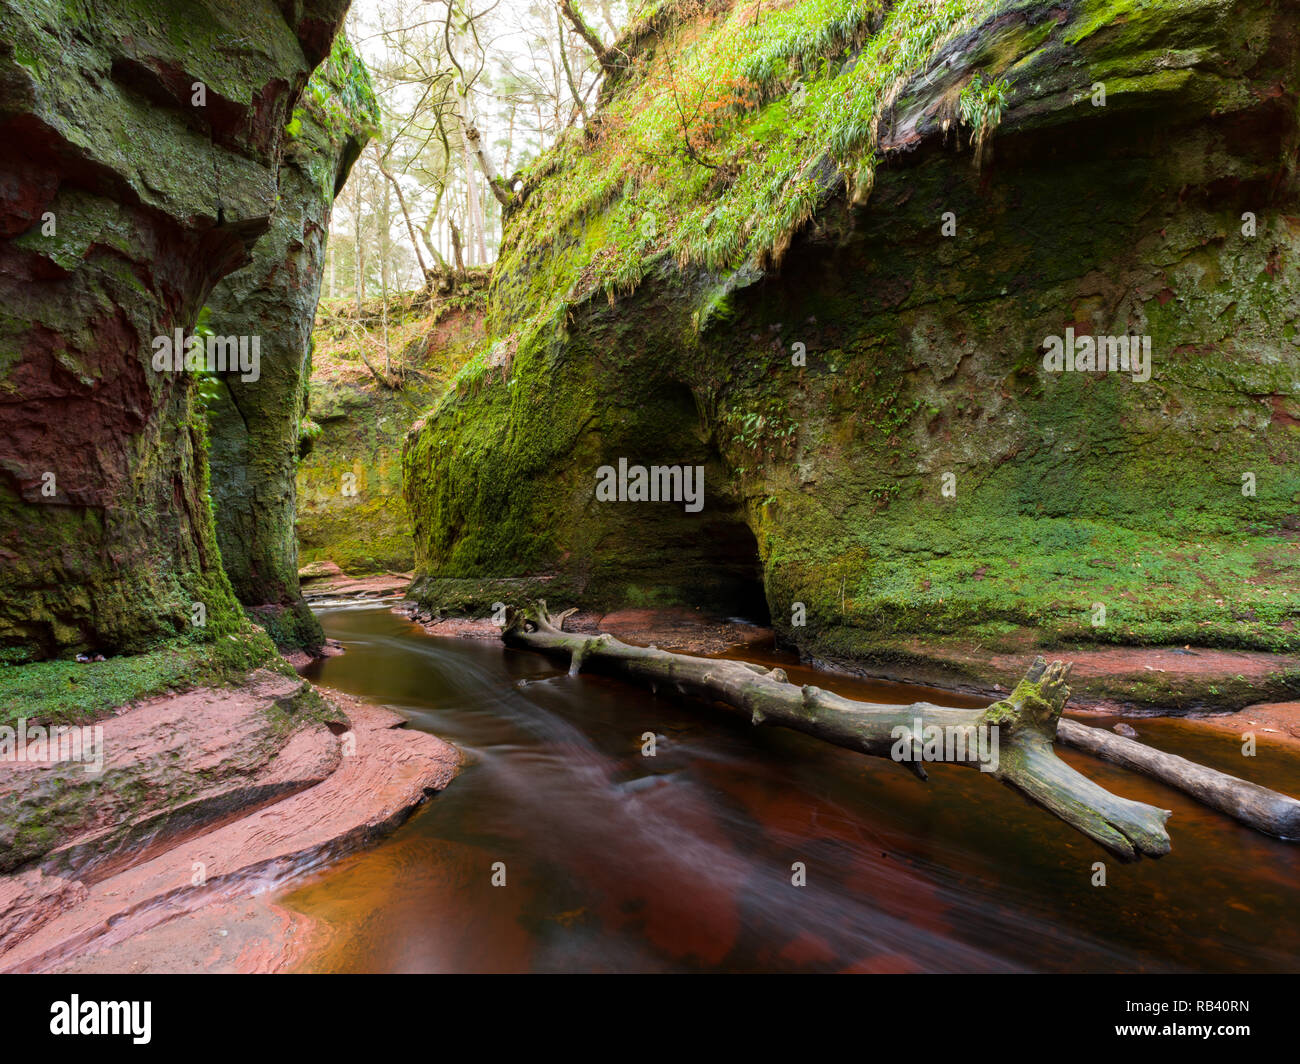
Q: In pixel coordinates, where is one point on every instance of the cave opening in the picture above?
(729, 553)
(669, 512)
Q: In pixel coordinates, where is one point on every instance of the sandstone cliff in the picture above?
(142, 144)
(255, 424)
(831, 276)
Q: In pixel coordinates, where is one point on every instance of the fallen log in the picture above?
(1255, 806)
(1019, 729)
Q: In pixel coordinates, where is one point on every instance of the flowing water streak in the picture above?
(684, 861)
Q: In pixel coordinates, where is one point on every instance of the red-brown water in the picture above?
(618, 862)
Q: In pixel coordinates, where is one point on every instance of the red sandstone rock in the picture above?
(346, 790)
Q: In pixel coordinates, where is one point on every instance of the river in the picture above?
(686, 861)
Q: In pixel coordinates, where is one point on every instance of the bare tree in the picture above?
(461, 84)
(608, 58)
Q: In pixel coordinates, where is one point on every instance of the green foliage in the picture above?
(980, 106)
(308, 432)
(982, 102)
(342, 91)
(783, 109)
(69, 692)
(208, 387)
(760, 433)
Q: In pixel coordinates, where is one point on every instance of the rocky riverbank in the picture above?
(206, 800)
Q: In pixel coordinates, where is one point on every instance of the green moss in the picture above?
(143, 803)
(1112, 16)
(255, 426)
(361, 429)
(786, 107)
(923, 352)
(115, 561)
(69, 692)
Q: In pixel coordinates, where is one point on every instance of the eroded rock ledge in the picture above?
(206, 798)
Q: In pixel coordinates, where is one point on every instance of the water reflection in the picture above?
(684, 861)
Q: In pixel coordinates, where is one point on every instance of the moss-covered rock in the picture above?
(255, 424)
(350, 505)
(142, 143)
(866, 384)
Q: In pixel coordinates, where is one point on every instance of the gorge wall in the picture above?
(141, 156)
(254, 424)
(836, 292)
(351, 510)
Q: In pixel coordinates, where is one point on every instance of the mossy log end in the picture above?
(1024, 723)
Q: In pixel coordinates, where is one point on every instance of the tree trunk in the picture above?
(1258, 807)
(472, 219)
(455, 248)
(578, 106)
(606, 57)
(481, 207)
(471, 141)
(608, 15)
(510, 137)
(432, 241)
(1022, 725)
(383, 299)
(475, 146)
(356, 217)
(385, 241)
(406, 215)
(1027, 722)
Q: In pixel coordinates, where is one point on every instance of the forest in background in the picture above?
(470, 92)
